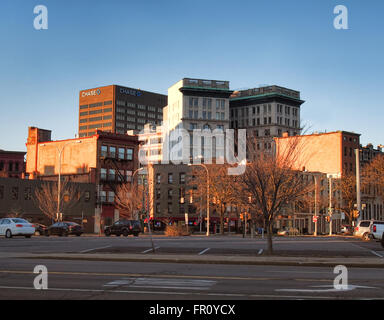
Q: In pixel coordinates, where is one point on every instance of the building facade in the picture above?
(105, 159)
(12, 164)
(266, 112)
(117, 109)
(18, 199)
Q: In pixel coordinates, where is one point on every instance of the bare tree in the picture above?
(223, 189)
(273, 180)
(373, 174)
(128, 199)
(347, 187)
(46, 198)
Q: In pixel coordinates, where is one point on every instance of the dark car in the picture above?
(40, 229)
(124, 227)
(64, 229)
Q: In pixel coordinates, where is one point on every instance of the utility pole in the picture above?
(330, 205)
(316, 207)
(358, 191)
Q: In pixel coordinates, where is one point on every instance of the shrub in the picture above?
(176, 231)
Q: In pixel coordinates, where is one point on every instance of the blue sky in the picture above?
(152, 44)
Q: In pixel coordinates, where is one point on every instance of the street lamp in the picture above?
(60, 151)
(206, 169)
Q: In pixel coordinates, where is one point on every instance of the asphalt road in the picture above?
(159, 281)
(68, 279)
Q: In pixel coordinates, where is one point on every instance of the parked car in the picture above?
(124, 227)
(64, 228)
(378, 231)
(363, 229)
(346, 229)
(40, 229)
(288, 231)
(10, 227)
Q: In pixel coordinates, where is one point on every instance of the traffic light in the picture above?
(241, 216)
(328, 218)
(356, 213)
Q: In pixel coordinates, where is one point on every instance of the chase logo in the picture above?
(91, 93)
(131, 92)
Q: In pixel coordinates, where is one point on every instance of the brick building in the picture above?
(17, 197)
(103, 159)
(12, 164)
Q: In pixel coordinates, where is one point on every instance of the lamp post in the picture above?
(206, 169)
(60, 151)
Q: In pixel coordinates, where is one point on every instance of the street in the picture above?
(83, 279)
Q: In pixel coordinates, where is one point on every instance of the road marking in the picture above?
(332, 289)
(205, 250)
(377, 254)
(163, 283)
(260, 251)
(89, 250)
(151, 249)
(181, 293)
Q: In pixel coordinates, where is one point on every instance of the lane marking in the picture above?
(150, 249)
(158, 276)
(205, 250)
(182, 293)
(377, 254)
(89, 250)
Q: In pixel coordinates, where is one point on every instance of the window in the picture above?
(95, 111)
(83, 121)
(170, 194)
(121, 153)
(128, 176)
(170, 178)
(28, 193)
(112, 174)
(158, 178)
(15, 193)
(106, 103)
(87, 196)
(182, 178)
(129, 154)
(111, 196)
(103, 174)
(112, 152)
(84, 113)
(158, 194)
(84, 106)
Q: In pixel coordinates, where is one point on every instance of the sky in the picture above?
(151, 44)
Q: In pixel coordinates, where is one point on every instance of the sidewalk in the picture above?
(366, 262)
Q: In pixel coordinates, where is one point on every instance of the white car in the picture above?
(10, 227)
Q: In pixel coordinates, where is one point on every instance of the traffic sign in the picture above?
(314, 218)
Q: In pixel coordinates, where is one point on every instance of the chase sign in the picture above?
(131, 92)
(91, 93)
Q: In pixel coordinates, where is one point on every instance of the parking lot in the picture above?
(196, 245)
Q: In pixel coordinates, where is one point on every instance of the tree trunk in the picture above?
(221, 221)
(269, 227)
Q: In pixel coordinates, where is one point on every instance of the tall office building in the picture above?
(266, 112)
(118, 109)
